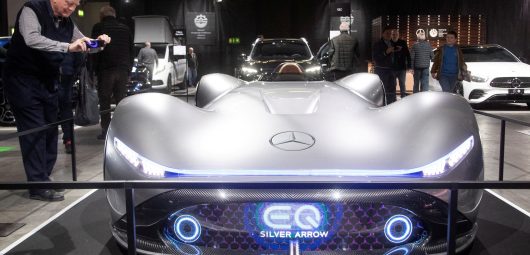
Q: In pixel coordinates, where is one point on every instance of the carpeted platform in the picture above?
(85, 230)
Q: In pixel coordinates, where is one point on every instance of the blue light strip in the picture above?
(436, 168)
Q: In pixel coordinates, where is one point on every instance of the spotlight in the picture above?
(187, 228)
(398, 228)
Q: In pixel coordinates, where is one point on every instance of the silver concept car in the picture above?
(294, 131)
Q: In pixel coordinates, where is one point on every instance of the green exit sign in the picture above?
(233, 40)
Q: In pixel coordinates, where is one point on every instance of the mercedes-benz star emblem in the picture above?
(516, 83)
(292, 141)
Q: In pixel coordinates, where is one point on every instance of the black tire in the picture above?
(169, 86)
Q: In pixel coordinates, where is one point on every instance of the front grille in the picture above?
(230, 223)
(511, 82)
(349, 226)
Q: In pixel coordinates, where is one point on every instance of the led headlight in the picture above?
(449, 161)
(249, 70)
(146, 166)
(438, 167)
(313, 69)
(187, 228)
(475, 78)
(398, 229)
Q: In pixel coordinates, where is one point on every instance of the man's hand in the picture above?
(411, 71)
(104, 38)
(78, 45)
(389, 50)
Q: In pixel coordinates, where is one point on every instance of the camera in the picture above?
(94, 46)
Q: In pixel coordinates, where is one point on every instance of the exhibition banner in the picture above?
(201, 28)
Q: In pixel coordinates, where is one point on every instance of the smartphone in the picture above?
(95, 45)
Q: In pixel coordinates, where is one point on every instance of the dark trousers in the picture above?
(151, 68)
(111, 85)
(389, 82)
(65, 105)
(421, 75)
(34, 104)
(401, 76)
(448, 82)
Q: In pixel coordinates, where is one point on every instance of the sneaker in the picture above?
(68, 147)
(48, 195)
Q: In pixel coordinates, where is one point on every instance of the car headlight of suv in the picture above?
(475, 78)
(249, 70)
(436, 168)
(313, 69)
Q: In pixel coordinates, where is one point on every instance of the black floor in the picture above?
(85, 230)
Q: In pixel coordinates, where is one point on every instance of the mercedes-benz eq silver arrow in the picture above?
(294, 131)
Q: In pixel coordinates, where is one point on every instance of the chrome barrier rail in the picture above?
(502, 136)
(130, 186)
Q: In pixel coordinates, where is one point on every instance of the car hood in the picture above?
(269, 65)
(238, 130)
(499, 69)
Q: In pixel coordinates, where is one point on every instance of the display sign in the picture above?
(471, 29)
(340, 9)
(201, 28)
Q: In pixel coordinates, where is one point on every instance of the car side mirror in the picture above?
(179, 52)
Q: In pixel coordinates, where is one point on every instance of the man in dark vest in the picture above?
(344, 53)
(44, 33)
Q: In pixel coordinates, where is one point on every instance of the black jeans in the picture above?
(389, 82)
(34, 103)
(111, 85)
(65, 105)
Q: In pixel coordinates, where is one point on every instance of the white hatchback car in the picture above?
(497, 76)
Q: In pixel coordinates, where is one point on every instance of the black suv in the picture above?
(268, 54)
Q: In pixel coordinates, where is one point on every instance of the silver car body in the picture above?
(294, 131)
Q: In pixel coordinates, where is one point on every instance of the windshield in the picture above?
(487, 54)
(270, 50)
(160, 50)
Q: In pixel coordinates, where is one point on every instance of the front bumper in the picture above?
(274, 222)
(477, 93)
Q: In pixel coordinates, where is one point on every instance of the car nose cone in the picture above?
(292, 141)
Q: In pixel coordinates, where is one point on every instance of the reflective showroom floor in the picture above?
(15, 207)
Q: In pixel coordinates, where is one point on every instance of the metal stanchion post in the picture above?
(451, 221)
(501, 153)
(131, 221)
(74, 165)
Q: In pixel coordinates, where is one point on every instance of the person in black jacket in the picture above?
(402, 61)
(344, 53)
(113, 65)
(44, 33)
(383, 56)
